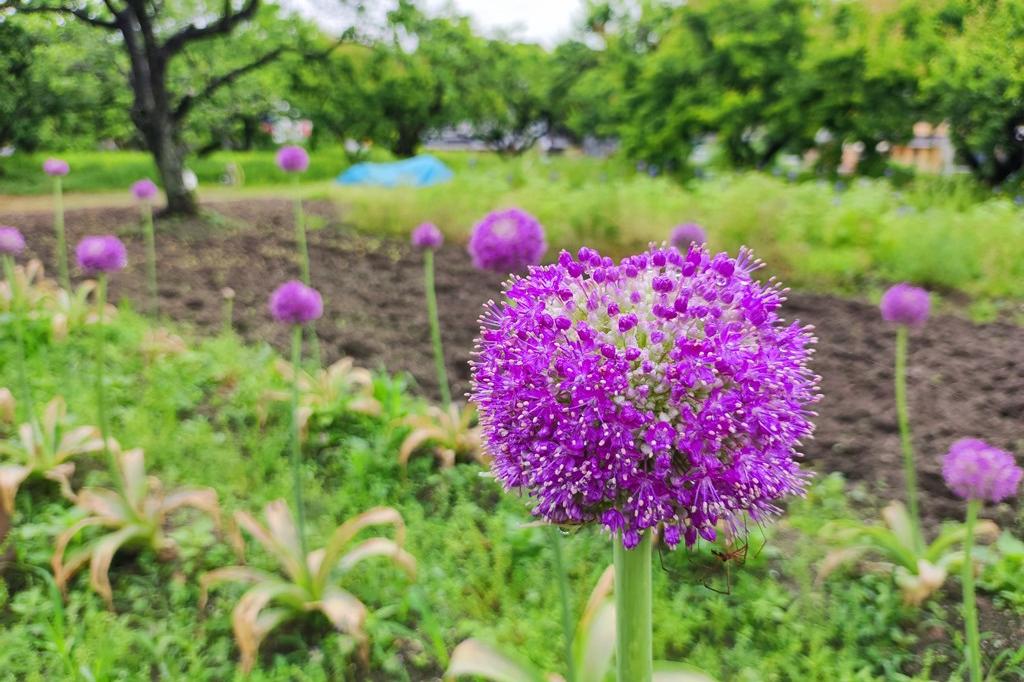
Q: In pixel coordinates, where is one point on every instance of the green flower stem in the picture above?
(101, 399)
(970, 607)
(18, 315)
(435, 329)
(563, 589)
(303, 247)
(296, 454)
(147, 227)
(58, 227)
(909, 470)
(633, 632)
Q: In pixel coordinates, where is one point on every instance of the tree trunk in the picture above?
(170, 162)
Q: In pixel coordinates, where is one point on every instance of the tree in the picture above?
(975, 80)
(153, 38)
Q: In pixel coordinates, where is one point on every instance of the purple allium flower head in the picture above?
(11, 241)
(508, 240)
(427, 236)
(687, 233)
(906, 304)
(292, 159)
(56, 167)
(664, 390)
(105, 253)
(975, 470)
(144, 189)
(295, 303)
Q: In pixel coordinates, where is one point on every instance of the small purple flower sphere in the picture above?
(144, 189)
(505, 241)
(292, 159)
(687, 233)
(11, 241)
(295, 303)
(105, 253)
(427, 236)
(56, 167)
(975, 470)
(906, 304)
(663, 391)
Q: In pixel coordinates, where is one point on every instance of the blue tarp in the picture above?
(419, 171)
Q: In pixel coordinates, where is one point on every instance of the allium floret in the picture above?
(104, 253)
(56, 167)
(295, 303)
(663, 391)
(11, 241)
(906, 304)
(506, 241)
(427, 236)
(292, 159)
(687, 233)
(144, 189)
(975, 470)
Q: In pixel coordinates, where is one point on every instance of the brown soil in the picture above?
(964, 379)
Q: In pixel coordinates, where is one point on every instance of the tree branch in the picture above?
(222, 26)
(189, 101)
(80, 14)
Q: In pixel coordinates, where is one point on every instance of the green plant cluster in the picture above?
(483, 572)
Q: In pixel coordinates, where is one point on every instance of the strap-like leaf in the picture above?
(230, 574)
(250, 627)
(291, 560)
(897, 518)
(11, 478)
(473, 657)
(133, 473)
(343, 534)
(594, 641)
(62, 571)
(378, 547)
(344, 610)
(103, 551)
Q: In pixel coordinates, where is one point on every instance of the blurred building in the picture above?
(930, 150)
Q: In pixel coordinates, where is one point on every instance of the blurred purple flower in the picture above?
(975, 470)
(687, 233)
(11, 241)
(295, 303)
(144, 189)
(105, 253)
(661, 391)
(427, 236)
(56, 167)
(906, 304)
(292, 159)
(508, 240)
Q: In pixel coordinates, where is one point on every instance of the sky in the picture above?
(541, 21)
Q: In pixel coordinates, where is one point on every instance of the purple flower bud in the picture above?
(104, 253)
(56, 167)
(11, 241)
(292, 159)
(687, 233)
(975, 470)
(906, 304)
(295, 303)
(507, 241)
(427, 236)
(144, 189)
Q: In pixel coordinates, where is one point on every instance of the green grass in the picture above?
(482, 572)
